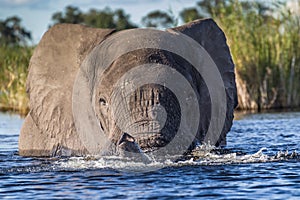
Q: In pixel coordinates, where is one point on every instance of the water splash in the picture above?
(202, 155)
(208, 155)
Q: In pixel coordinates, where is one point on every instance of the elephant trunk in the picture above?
(151, 116)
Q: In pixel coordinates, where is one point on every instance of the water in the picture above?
(246, 171)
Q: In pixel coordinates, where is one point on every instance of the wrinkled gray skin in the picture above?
(49, 128)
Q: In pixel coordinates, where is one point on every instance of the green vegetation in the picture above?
(13, 73)
(264, 39)
(105, 18)
(14, 60)
(12, 33)
(159, 19)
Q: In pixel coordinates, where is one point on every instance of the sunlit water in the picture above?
(254, 165)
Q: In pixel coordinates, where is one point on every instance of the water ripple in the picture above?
(254, 165)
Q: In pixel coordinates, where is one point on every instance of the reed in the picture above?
(265, 48)
(14, 61)
(266, 51)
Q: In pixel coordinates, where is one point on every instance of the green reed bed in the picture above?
(14, 62)
(264, 40)
(265, 45)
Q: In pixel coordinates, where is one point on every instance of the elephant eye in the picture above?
(102, 101)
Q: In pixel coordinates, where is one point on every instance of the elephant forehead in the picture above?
(124, 42)
(152, 57)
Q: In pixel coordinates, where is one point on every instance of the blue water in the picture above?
(246, 174)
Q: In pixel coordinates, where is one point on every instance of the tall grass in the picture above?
(265, 48)
(266, 51)
(14, 62)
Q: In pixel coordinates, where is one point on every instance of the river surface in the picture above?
(256, 166)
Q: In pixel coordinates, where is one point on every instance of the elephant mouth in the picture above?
(148, 134)
(151, 140)
(155, 116)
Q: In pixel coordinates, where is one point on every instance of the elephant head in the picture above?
(141, 86)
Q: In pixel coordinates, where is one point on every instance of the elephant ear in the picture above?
(48, 129)
(208, 34)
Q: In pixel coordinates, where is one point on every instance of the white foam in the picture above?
(203, 155)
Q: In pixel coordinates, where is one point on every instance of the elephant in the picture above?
(99, 91)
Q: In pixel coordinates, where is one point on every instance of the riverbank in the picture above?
(265, 50)
(14, 62)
